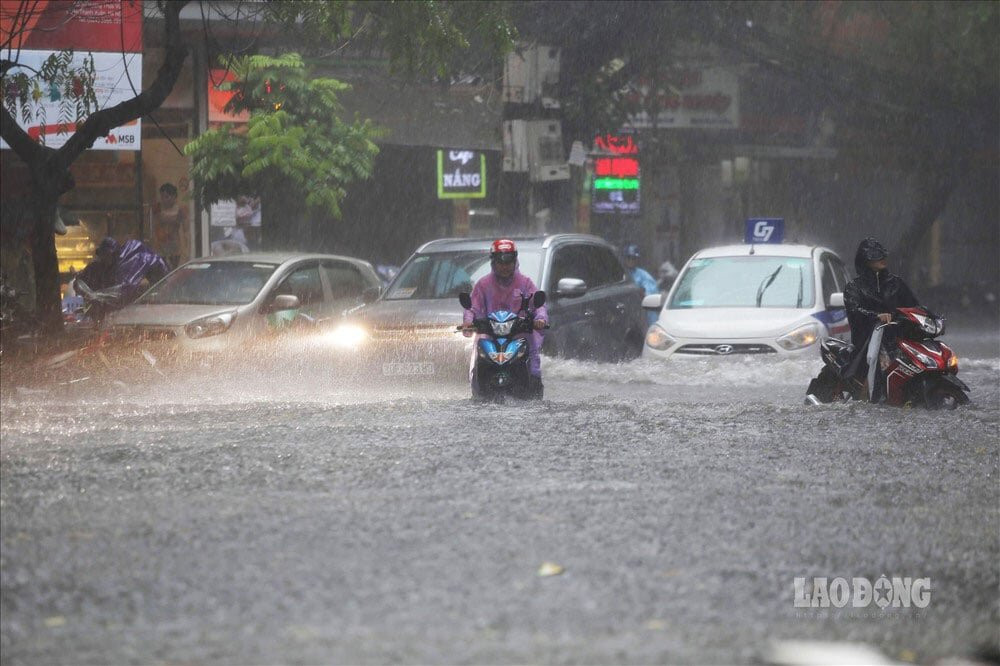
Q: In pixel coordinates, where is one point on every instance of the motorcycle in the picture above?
(18, 325)
(916, 369)
(501, 365)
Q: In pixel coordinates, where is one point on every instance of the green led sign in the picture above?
(616, 183)
(461, 174)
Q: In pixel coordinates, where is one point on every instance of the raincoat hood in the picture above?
(868, 250)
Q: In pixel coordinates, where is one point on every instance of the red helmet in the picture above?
(503, 250)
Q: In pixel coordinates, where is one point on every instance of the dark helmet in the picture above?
(503, 251)
(632, 251)
(107, 246)
(868, 250)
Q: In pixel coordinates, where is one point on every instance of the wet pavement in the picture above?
(279, 512)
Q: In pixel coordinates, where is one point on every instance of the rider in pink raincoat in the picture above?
(502, 289)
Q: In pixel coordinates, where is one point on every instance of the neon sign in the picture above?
(616, 174)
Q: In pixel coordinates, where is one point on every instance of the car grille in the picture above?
(726, 349)
(135, 334)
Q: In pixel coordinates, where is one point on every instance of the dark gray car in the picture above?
(594, 307)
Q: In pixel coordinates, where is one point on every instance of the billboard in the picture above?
(108, 30)
(692, 97)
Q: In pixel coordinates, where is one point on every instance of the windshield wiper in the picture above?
(798, 301)
(767, 282)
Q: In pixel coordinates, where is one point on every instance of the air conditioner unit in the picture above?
(532, 74)
(546, 160)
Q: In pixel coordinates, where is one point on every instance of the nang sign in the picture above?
(461, 174)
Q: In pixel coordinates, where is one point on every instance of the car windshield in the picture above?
(210, 283)
(745, 282)
(446, 274)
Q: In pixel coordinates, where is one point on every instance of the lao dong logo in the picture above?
(895, 592)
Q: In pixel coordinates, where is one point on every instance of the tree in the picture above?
(418, 37)
(295, 153)
(915, 80)
(49, 168)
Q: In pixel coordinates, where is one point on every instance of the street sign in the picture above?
(616, 174)
(764, 230)
(461, 174)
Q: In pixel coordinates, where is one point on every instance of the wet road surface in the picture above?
(280, 514)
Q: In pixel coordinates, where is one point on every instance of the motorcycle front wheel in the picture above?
(941, 395)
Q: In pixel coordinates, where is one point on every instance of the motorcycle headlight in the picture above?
(212, 325)
(803, 336)
(657, 338)
(502, 329)
(953, 363)
(348, 336)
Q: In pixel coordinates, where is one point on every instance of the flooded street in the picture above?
(283, 514)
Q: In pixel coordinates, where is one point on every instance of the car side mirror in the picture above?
(539, 298)
(465, 300)
(836, 300)
(652, 302)
(370, 295)
(571, 287)
(284, 302)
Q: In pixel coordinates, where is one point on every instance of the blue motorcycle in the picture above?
(501, 366)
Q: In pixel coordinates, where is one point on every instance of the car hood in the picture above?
(732, 323)
(410, 314)
(165, 315)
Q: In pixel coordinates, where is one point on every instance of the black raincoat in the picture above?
(870, 294)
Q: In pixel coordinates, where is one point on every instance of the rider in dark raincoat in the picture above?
(871, 299)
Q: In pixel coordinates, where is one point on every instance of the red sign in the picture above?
(616, 166)
(620, 144)
(217, 99)
(81, 25)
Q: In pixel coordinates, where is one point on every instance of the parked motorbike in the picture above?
(17, 324)
(501, 366)
(916, 369)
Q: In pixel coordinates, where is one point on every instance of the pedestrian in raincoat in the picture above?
(641, 277)
(502, 289)
(871, 298)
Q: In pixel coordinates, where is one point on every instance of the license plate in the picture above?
(407, 369)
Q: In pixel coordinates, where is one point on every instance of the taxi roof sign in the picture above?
(769, 230)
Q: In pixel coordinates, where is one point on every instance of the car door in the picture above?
(573, 334)
(346, 285)
(617, 300)
(831, 281)
(304, 282)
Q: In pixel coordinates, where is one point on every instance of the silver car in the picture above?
(219, 303)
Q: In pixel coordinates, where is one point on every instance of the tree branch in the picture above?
(19, 141)
(101, 122)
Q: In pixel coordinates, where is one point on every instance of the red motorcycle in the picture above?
(912, 369)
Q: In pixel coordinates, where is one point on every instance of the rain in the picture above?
(257, 433)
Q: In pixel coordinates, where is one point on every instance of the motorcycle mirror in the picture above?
(465, 300)
(539, 298)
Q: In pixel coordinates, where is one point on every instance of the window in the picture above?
(304, 283)
(346, 281)
(745, 282)
(445, 274)
(605, 269)
(570, 261)
(211, 283)
(829, 279)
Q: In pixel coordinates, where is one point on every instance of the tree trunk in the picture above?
(48, 305)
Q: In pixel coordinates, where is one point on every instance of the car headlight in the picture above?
(657, 338)
(803, 336)
(348, 336)
(212, 325)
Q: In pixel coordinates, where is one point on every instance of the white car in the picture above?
(751, 299)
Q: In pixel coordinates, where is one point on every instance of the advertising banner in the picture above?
(686, 98)
(54, 115)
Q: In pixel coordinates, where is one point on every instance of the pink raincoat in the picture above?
(493, 293)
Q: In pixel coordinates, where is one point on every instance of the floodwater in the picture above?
(284, 512)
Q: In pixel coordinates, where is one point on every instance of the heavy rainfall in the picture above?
(490, 332)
